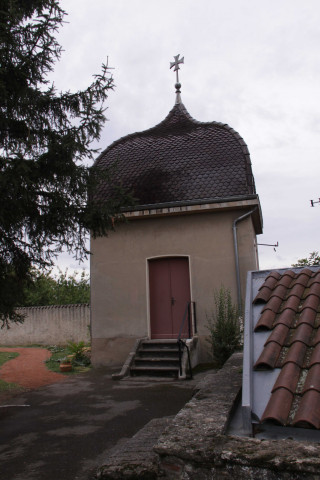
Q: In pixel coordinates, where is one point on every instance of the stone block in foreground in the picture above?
(135, 458)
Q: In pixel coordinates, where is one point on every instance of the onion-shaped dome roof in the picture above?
(180, 161)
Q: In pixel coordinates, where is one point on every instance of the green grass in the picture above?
(6, 387)
(58, 354)
(5, 356)
(29, 345)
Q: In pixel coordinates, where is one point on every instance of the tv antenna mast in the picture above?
(275, 245)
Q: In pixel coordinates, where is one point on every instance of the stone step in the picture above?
(156, 362)
(155, 371)
(156, 359)
(160, 340)
(159, 352)
(158, 346)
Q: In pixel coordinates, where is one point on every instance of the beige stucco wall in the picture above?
(119, 273)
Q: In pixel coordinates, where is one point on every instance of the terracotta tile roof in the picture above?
(292, 316)
(180, 160)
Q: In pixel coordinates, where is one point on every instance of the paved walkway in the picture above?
(66, 429)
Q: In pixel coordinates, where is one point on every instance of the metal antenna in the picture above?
(176, 64)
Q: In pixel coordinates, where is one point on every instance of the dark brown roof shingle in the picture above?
(180, 160)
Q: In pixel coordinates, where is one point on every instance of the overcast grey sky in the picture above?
(253, 64)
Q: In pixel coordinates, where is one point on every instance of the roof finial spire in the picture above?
(175, 64)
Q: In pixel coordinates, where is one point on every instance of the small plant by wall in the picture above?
(80, 353)
(224, 326)
(77, 355)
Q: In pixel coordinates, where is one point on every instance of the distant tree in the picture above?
(45, 136)
(313, 259)
(62, 289)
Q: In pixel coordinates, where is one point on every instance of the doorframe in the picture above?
(156, 257)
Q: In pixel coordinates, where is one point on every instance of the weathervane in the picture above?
(176, 64)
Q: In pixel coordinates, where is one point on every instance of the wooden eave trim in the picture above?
(200, 208)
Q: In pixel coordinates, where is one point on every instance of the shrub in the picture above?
(224, 326)
(80, 353)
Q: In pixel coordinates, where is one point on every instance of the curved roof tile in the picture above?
(288, 378)
(269, 356)
(313, 379)
(316, 339)
(308, 414)
(296, 354)
(293, 347)
(279, 406)
(287, 317)
(265, 321)
(315, 357)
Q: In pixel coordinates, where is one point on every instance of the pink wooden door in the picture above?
(169, 284)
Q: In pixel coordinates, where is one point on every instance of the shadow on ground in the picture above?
(64, 430)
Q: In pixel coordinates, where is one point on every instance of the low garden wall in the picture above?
(50, 325)
(196, 445)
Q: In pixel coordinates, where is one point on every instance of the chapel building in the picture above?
(192, 229)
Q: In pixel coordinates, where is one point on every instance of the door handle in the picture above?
(173, 301)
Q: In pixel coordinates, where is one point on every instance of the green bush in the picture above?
(224, 326)
(61, 353)
(80, 353)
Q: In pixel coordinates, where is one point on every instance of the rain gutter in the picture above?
(236, 252)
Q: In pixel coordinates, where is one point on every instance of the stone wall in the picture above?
(195, 444)
(51, 325)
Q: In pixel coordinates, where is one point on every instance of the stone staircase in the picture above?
(156, 358)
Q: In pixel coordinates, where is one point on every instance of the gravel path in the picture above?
(28, 369)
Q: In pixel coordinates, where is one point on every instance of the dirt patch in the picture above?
(28, 370)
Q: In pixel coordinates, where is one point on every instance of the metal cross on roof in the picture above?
(176, 63)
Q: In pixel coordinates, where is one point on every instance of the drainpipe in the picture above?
(235, 241)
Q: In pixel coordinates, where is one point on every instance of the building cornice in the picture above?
(164, 210)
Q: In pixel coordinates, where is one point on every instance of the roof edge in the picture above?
(190, 207)
(181, 203)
